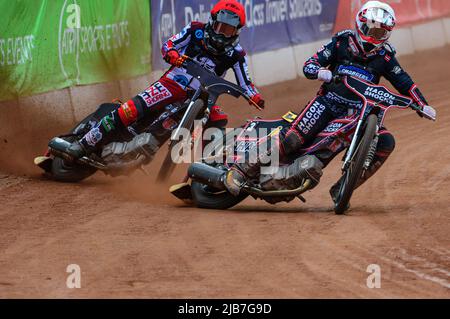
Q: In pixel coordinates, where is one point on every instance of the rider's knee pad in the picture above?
(386, 144)
(128, 113)
(217, 117)
(291, 142)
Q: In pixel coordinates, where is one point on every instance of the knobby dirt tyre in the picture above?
(204, 198)
(355, 169)
(168, 164)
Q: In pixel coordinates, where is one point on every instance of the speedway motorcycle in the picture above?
(136, 147)
(357, 134)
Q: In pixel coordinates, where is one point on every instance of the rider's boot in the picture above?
(69, 150)
(77, 150)
(239, 174)
(93, 140)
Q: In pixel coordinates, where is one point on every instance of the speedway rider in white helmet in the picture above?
(374, 24)
(364, 53)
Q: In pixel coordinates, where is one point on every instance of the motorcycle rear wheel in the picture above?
(63, 171)
(205, 197)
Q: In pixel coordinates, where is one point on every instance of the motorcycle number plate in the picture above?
(290, 117)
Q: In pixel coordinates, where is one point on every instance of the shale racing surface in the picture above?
(131, 239)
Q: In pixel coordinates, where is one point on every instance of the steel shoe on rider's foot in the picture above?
(334, 191)
(74, 150)
(234, 181)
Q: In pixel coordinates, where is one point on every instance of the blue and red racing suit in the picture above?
(174, 84)
(190, 42)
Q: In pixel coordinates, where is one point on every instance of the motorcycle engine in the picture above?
(292, 176)
(128, 155)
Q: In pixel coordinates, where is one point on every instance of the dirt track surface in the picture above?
(132, 239)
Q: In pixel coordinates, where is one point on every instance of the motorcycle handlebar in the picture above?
(416, 107)
(244, 94)
(340, 78)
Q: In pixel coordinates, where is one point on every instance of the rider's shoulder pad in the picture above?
(390, 48)
(239, 51)
(195, 25)
(344, 33)
(239, 48)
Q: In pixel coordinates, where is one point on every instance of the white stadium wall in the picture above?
(429, 35)
(446, 23)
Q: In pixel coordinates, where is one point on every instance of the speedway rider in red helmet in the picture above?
(215, 45)
(364, 53)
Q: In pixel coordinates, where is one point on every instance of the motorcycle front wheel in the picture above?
(355, 169)
(168, 164)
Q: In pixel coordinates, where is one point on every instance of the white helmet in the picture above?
(374, 24)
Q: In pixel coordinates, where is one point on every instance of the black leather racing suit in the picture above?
(343, 55)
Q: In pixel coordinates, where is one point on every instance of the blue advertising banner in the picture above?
(271, 24)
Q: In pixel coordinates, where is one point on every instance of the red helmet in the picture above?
(224, 26)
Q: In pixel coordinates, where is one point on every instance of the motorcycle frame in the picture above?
(209, 88)
(348, 131)
(353, 126)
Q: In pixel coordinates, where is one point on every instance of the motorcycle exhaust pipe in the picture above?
(208, 175)
(57, 147)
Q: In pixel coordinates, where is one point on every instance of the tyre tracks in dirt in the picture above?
(131, 239)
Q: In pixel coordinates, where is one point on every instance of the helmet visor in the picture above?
(224, 29)
(376, 33)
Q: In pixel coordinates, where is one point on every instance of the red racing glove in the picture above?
(258, 100)
(174, 58)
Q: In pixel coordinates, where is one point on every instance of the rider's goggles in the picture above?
(224, 29)
(377, 33)
(226, 23)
